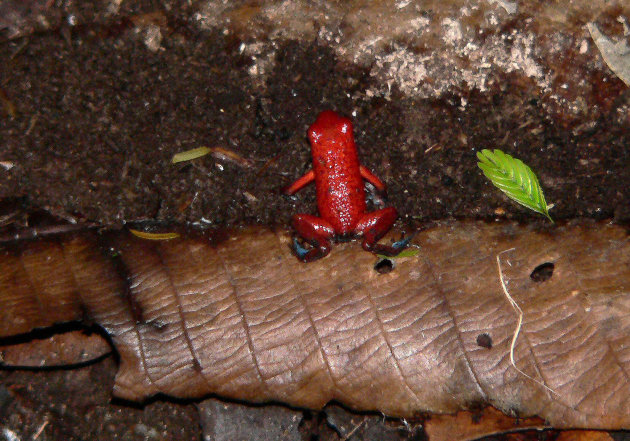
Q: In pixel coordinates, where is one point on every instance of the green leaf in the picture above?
(189, 155)
(409, 252)
(514, 178)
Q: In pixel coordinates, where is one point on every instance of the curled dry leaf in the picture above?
(72, 348)
(154, 236)
(242, 318)
(616, 54)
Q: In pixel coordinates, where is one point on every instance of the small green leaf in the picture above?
(514, 178)
(189, 155)
(409, 252)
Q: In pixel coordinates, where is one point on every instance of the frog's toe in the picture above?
(298, 249)
(320, 248)
(402, 243)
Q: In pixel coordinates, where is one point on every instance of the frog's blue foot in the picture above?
(298, 249)
(402, 243)
(319, 250)
(390, 250)
(315, 231)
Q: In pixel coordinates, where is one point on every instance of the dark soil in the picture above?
(99, 117)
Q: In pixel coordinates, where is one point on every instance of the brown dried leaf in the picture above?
(59, 350)
(469, 426)
(244, 319)
(584, 435)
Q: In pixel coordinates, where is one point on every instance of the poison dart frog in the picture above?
(340, 193)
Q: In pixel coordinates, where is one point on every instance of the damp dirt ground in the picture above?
(91, 119)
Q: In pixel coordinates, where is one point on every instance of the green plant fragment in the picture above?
(189, 155)
(514, 178)
(153, 236)
(409, 252)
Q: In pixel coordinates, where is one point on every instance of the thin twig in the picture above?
(51, 230)
(519, 325)
(40, 430)
(353, 431)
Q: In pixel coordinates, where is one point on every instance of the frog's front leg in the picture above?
(373, 226)
(315, 231)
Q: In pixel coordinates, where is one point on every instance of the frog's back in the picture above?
(338, 181)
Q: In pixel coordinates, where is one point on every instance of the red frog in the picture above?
(340, 191)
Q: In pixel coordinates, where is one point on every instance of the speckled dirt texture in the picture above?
(97, 96)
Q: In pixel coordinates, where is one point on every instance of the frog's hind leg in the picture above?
(373, 226)
(317, 232)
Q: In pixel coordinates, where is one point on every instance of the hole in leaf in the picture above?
(542, 272)
(158, 325)
(384, 266)
(484, 340)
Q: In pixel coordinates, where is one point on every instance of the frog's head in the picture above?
(330, 129)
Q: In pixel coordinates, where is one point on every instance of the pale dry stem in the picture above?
(519, 324)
